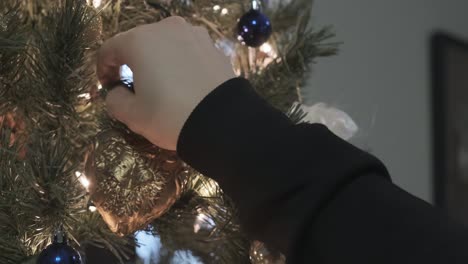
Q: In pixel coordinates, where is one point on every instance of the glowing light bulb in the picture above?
(92, 208)
(224, 11)
(216, 8)
(266, 48)
(83, 180)
(97, 3)
(86, 96)
(99, 86)
(255, 5)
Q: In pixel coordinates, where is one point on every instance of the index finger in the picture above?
(114, 53)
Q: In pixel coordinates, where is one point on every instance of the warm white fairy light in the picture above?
(92, 208)
(83, 180)
(224, 11)
(95, 3)
(266, 48)
(99, 86)
(216, 8)
(255, 5)
(86, 96)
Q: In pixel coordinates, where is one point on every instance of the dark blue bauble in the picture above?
(59, 253)
(254, 28)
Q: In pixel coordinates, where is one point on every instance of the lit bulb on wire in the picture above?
(95, 3)
(83, 180)
(91, 207)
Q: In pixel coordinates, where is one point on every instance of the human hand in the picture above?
(175, 65)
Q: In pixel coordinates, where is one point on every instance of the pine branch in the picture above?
(280, 82)
(54, 196)
(91, 230)
(11, 247)
(120, 16)
(40, 192)
(46, 57)
(217, 239)
(12, 47)
(58, 67)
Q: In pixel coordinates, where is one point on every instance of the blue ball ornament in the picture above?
(254, 28)
(59, 252)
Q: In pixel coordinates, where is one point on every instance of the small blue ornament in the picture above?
(59, 252)
(254, 28)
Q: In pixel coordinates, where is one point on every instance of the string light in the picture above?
(83, 180)
(86, 96)
(95, 3)
(224, 11)
(266, 48)
(92, 208)
(270, 52)
(255, 5)
(216, 8)
(99, 86)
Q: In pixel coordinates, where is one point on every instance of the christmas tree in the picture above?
(70, 172)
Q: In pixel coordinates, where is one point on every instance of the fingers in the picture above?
(122, 105)
(204, 38)
(122, 48)
(174, 20)
(114, 52)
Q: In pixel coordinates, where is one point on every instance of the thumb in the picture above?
(121, 104)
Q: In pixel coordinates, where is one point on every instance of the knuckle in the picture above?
(176, 20)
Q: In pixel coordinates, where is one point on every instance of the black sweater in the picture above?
(306, 192)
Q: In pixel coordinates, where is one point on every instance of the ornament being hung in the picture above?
(254, 27)
(59, 252)
(132, 181)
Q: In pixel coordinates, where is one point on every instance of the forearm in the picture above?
(304, 191)
(279, 174)
(374, 221)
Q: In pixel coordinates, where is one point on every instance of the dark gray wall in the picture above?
(382, 77)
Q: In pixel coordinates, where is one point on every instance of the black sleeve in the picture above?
(306, 192)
